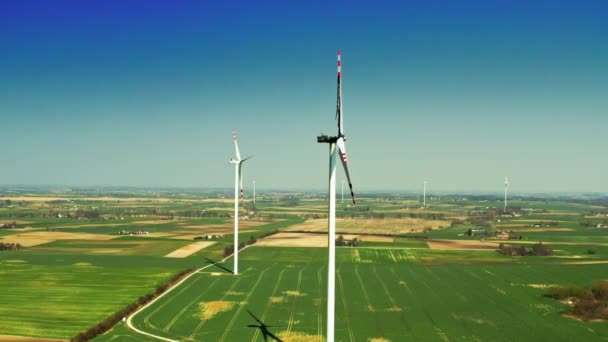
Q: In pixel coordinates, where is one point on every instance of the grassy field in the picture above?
(389, 288)
(380, 294)
(59, 295)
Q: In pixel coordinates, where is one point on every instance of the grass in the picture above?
(60, 296)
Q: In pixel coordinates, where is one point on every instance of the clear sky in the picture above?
(460, 93)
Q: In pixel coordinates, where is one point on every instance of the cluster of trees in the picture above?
(109, 322)
(10, 225)
(351, 243)
(290, 201)
(9, 246)
(230, 249)
(589, 303)
(594, 223)
(537, 249)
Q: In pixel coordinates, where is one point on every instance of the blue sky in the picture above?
(459, 93)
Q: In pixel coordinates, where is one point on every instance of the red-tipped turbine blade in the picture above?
(344, 159)
(236, 145)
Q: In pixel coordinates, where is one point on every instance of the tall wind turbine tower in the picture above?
(331, 263)
(343, 191)
(238, 181)
(506, 188)
(254, 191)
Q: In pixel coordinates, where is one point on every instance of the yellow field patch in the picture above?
(591, 262)
(378, 339)
(461, 245)
(563, 213)
(294, 293)
(189, 249)
(210, 309)
(25, 242)
(541, 230)
(371, 226)
(376, 238)
(292, 336)
(294, 240)
(158, 234)
(148, 222)
(279, 299)
(39, 237)
(227, 225)
(82, 264)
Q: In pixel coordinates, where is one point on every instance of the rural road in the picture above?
(129, 320)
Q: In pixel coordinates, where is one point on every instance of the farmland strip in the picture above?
(347, 314)
(238, 312)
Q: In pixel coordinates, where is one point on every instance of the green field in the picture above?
(400, 300)
(391, 289)
(61, 294)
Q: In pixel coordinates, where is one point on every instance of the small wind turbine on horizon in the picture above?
(238, 181)
(424, 195)
(506, 188)
(333, 141)
(254, 191)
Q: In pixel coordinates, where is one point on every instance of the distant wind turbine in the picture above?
(333, 141)
(424, 195)
(254, 191)
(506, 188)
(238, 181)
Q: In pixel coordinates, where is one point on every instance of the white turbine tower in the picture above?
(506, 188)
(333, 141)
(254, 191)
(343, 191)
(238, 181)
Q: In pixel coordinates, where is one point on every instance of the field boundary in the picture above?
(129, 320)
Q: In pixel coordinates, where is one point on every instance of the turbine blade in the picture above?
(339, 114)
(344, 159)
(241, 181)
(242, 161)
(236, 145)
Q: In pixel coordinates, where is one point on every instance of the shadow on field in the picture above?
(217, 264)
(264, 329)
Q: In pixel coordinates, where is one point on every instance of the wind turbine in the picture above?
(254, 191)
(343, 191)
(506, 188)
(238, 180)
(424, 195)
(333, 141)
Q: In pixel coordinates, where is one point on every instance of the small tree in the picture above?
(340, 240)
